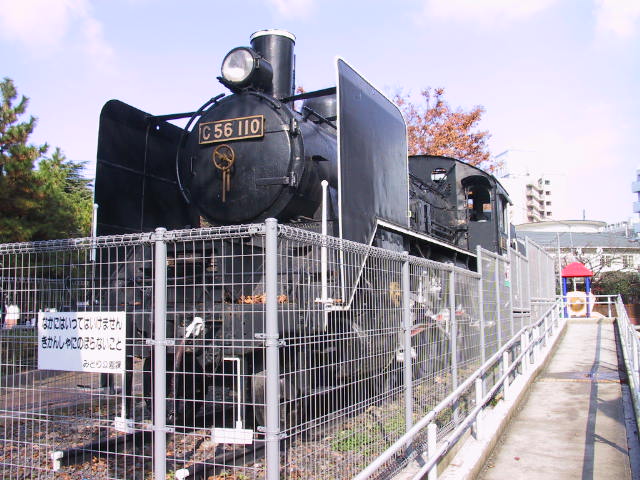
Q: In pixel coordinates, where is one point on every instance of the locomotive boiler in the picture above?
(250, 155)
(217, 166)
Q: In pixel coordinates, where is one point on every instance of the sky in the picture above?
(559, 79)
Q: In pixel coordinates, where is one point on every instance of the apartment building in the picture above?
(532, 197)
(539, 203)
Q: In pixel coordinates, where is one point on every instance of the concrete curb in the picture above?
(475, 451)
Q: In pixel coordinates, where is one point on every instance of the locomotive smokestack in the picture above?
(276, 46)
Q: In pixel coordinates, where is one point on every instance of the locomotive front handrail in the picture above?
(307, 95)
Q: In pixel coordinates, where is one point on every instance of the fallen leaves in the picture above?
(261, 298)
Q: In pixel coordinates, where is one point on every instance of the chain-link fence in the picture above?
(258, 351)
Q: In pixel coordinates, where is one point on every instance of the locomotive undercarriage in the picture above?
(216, 322)
(216, 369)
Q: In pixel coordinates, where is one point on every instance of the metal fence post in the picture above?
(407, 323)
(520, 286)
(160, 357)
(432, 443)
(454, 328)
(479, 397)
(636, 367)
(531, 345)
(483, 354)
(496, 280)
(272, 394)
(505, 368)
(510, 288)
(609, 306)
(546, 331)
(454, 339)
(530, 306)
(525, 356)
(635, 357)
(540, 275)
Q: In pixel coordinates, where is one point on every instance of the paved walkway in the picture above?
(573, 424)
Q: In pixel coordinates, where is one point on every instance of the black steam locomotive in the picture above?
(251, 155)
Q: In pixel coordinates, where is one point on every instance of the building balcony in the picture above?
(534, 193)
(533, 215)
(535, 205)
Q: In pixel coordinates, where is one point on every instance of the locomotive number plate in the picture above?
(231, 129)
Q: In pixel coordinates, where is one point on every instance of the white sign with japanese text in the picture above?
(82, 341)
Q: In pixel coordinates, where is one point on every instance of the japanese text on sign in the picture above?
(82, 341)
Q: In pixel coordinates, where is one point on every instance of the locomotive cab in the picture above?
(458, 203)
(486, 206)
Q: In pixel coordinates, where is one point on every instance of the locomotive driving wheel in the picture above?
(186, 388)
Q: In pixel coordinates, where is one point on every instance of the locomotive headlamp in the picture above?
(238, 65)
(243, 68)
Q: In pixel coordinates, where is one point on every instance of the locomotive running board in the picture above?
(426, 238)
(397, 229)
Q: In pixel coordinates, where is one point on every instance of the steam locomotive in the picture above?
(253, 155)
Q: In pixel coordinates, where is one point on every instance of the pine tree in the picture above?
(41, 198)
(20, 188)
(67, 196)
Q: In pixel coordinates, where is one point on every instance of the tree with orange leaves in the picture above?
(434, 128)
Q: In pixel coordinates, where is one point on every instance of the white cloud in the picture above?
(485, 11)
(619, 17)
(36, 23)
(95, 45)
(293, 8)
(43, 25)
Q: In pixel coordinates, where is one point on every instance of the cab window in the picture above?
(479, 207)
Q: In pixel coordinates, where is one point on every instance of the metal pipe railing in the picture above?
(472, 416)
(630, 342)
(454, 396)
(608, 300)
